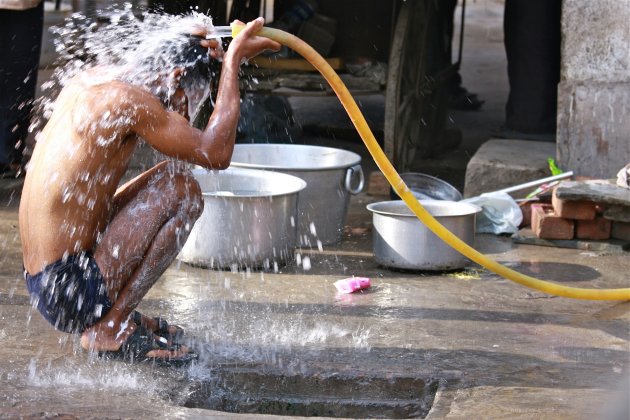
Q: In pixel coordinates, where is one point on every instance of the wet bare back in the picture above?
(73, 174)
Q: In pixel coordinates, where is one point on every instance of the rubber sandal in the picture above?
(163, 329)
(143, 341)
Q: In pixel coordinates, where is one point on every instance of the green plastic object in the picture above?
(553, 167)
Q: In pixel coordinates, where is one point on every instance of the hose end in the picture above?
(236, 28)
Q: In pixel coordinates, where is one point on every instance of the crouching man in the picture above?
(92, 249)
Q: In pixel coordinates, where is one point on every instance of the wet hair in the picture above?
(194, 59)
(185, 52)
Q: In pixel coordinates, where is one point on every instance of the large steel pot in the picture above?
(249, 219)
(401, 240)
(331, 176)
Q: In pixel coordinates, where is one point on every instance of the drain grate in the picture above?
(316, 396)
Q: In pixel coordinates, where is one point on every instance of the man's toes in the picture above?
(169, 354)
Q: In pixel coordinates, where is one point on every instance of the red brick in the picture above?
(548, 225)
(526, 209)
(596, 229)
(620, 230)
(577, 210)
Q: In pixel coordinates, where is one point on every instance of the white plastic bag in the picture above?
(500, 213)
(623, 177)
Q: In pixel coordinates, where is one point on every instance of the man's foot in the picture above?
(159, 326)
(462, 100)
(141, 345)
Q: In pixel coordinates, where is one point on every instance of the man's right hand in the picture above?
(247, 44)
(215, 50)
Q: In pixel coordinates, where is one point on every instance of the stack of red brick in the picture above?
(562, 219)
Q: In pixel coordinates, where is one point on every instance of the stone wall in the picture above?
(593, 136)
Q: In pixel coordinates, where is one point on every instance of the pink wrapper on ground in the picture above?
(352, 284)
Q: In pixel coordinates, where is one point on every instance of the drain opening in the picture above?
(315, 396)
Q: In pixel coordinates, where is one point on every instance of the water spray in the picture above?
(401, 188)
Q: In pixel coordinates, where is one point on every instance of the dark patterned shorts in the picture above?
(70, 293)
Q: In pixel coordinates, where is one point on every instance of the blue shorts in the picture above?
(70, 293)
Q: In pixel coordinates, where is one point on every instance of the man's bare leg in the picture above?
(125, 193)
(139, 244)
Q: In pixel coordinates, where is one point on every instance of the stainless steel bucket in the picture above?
(331, 176)
(401, 240)
(249, 219)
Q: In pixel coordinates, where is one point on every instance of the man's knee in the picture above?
(194, 195)
(178, 179)
(189, 193)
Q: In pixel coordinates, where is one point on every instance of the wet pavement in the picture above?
(464, 344)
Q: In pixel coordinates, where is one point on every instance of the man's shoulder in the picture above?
(114, 86)
(113, 94)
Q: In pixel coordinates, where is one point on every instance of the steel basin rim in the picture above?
(297, 183)
(276, 167)
(472, 209)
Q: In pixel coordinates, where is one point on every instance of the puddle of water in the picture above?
(556, 271)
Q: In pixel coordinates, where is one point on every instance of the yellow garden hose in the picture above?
(403, 191)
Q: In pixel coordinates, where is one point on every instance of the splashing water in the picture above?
(138, 48)
(97, 375)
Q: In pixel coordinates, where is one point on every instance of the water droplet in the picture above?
(306, 263)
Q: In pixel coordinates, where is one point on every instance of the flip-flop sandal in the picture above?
(141, 342)
(163, 329)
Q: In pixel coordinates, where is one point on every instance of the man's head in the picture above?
(188, 64)
(187, 72)
(194, 60)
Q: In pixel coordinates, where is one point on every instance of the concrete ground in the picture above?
(487, 347)
(458, 345)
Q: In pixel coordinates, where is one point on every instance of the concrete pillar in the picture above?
(593, 137)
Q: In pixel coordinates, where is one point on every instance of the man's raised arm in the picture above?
(172, 134)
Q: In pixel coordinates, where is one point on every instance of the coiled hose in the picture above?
(403, 191)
